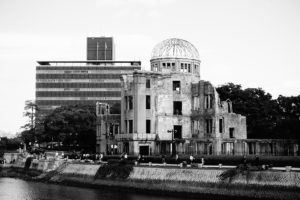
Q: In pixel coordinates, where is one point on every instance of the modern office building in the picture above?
(100, 48)
(61, 83)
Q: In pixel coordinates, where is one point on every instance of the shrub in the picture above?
(28, 163)
(115, 169)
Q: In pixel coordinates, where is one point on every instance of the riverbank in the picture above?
(169, 181)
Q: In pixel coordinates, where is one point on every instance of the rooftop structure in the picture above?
(175, 48)
(175, 55)
(100, 48)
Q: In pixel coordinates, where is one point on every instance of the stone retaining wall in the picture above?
(274, 178)
(80, 170)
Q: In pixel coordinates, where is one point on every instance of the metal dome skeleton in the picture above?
(175, 48)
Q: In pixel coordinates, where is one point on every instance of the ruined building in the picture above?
(171, 110)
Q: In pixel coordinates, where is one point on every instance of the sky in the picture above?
(255, 43)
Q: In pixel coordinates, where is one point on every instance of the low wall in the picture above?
(175, 174)
(46, 165)
(211, 176)
(10, 157)
(73, 169)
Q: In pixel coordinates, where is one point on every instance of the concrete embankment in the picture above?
(173, 180)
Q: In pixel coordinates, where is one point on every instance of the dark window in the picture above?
(148, 126)
(111, 129)
(176, 86)
(126, 126)
(169, 65)
(148, 102)
(208, 101)
(208, 125)
(116, 129)
(182, 67)
(164, 64)
(177, 132)
(229, 107)
(126, 103)
(173, 67)
(189, 67)
(231, 132)
(221, 125)
(130, 126)
(177, 108)
(130, 102)
(147, 83)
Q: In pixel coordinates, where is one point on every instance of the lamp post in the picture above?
(172, 147)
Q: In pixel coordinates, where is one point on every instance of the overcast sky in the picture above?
(254, 43)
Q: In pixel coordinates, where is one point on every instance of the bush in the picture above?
(115, 169)
(28, 163)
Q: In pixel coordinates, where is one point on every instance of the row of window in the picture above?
(79, 94)
(88, 68)
(77, 76)
(72, 102)
(209, 127)
(129, 126)
(129, 102)
(78, 85)
(184, 67)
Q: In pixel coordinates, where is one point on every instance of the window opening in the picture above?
(176, 86)
(148, 126)
(177, 108)
(148, 102)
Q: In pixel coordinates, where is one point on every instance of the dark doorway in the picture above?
(163, 148)
(126, 147)
(144, 150)
(177, 132)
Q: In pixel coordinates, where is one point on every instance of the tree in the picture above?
(288, 124)
(258, 106)
(29, 133)
(74, 126)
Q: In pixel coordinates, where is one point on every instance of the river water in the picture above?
(17, 189)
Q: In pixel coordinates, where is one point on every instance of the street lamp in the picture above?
(172, 131)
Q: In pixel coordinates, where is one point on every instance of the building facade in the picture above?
(171, 110)
(100, 48)
(60, 83)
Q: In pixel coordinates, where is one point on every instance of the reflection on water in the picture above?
(16, 189)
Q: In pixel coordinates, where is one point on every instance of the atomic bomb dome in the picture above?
(175, 48)
(175, 55)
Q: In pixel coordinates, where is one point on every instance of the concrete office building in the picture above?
(100, 48)
(61, 83)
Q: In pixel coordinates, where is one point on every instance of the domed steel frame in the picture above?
(175, 48)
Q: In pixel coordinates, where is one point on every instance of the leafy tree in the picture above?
(257, 105)
(288, 124)
(74, 126)
(29, 133)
